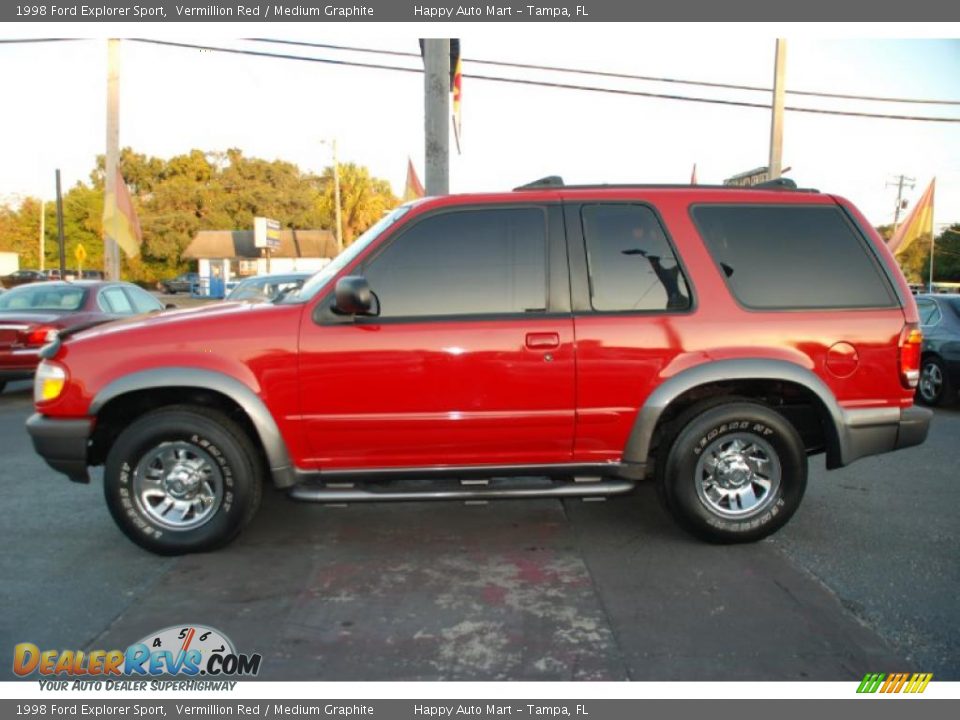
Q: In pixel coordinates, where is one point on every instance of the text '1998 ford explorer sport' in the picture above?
(547, 342)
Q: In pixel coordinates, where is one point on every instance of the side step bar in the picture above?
(440, 490)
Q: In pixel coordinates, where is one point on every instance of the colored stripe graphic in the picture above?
(870, 682)
(895, 683)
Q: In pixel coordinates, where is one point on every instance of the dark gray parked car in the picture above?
(183, 282)
(940, 363)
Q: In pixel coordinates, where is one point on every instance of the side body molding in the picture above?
(638, 444)
(273, 444)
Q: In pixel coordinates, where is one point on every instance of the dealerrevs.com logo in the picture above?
(182, 651)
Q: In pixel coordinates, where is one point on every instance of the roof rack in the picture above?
(555, 181)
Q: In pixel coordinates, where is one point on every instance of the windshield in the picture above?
(65, 298)
(318, 281)
(266, 288)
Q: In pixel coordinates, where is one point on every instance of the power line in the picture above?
(39, 40)
(622, 76)
(542, 83)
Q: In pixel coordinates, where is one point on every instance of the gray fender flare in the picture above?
(638, 444)
(274, 446)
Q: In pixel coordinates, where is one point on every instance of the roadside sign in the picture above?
(80, 254)
(266, 233)
(750, 177)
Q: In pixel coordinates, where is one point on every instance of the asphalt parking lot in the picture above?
(863, 579)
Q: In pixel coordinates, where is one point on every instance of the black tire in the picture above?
(717, 432)
(934, 388)
(214, 442)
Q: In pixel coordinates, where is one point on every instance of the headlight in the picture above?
(48, 382)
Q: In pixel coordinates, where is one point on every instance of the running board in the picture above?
(496, 489)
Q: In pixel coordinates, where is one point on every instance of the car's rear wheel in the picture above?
(934, 387)
(182, 479)
(733, 473)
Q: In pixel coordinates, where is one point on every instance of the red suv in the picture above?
(551, 341)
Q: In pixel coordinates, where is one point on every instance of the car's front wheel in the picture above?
(934, 387)
(182, 479)
(733, 473)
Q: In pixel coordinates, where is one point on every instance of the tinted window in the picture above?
(792, 257)
(143, 301)
(464, 263)
(112, 300)
(929, 314)
(632, 266)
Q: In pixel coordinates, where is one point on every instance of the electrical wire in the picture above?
(621, 76)
(38, 40)
(543, 83)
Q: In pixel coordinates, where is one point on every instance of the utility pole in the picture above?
(902, 182)
(111, 253)
(436, 60)
(776, 120)
(336, 195)
(42, 229)
(933, 236)
(60, 239)
(338, 212)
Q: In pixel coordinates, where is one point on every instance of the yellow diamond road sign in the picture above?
(80, 253)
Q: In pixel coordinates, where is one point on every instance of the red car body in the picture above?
(564, 389)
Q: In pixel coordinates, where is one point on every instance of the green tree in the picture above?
(177, 197)
(363, 200)
(915, 260)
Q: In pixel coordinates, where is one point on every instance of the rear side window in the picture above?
(929, 312)
(797, 257)
(143, 302)
(631, 263)
(473, 262)
(113, 300)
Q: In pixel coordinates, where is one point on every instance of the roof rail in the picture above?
(555, 182)
(551, 181)
(780, 183)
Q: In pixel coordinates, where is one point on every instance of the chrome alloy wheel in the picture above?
(737, 475)
(178, 485)
(931, 382)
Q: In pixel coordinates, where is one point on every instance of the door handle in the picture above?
(543, 341)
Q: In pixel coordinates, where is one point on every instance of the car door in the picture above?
(471, 359)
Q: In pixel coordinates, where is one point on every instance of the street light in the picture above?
(336, 191)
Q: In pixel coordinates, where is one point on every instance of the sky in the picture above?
(173, 100)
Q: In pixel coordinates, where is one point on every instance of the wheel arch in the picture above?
(732, 376)
(209, 388)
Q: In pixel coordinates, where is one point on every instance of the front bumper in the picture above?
(879, 430)
(62, 443)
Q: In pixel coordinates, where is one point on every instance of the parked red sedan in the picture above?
(31, 316)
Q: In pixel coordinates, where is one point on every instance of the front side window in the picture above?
(631, 263)
(792, 257)
(472, 262)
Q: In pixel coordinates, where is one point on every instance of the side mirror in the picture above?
(169, 306)
(354, 297)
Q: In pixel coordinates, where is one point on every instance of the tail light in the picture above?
(911, 342)
(38, 336)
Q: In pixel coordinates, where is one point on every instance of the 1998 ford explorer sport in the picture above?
(550, 341)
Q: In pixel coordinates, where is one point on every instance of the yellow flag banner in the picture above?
(120, 221)
(414, 188)
(918, 223)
